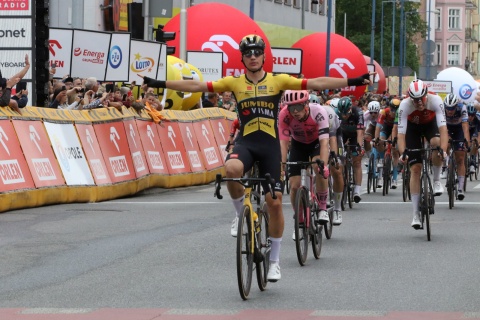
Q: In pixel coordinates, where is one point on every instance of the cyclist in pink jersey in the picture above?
(421, 115)
(307, 125)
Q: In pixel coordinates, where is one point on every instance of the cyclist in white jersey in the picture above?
(457, 126)
(421, 115)
(307, 126)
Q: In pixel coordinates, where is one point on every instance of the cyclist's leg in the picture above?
(413, 140)
(459, 153)
(336, 143)
(320, 151)
(431, 132)
(357, 172)
(368, 136)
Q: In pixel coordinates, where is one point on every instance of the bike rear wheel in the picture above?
(350, 185)
(428, 195)
(244, 254)
(405, 183)
(301, 229)
(263, 247)
(371, 174)
(387, 165)
(451, 184)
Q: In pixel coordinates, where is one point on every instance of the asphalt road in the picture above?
(172, 249)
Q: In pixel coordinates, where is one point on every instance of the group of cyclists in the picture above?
(279, 116)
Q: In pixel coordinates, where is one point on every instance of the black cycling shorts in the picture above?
(301, 152)
(414, 138)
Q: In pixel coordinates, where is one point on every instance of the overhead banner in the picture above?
(287, 60)
(210, 64)
(60, 47)
(90, 54)
(69, 153)
(119, 58)
(144, 57)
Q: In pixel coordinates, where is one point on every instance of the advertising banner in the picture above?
(136, 148)
(69, 153)
(210, 64)
(14, 172)
(162, 63)
(144, 56)
(287, 60)
(152, 146)
(116, 153)
(173, 148)
(60, 46)
(221, 132)
(119, 57)
(208, 145)
(39, 154)
(12, 61)
(15, 8)
(191, 146)
(90, 54)
(94, 155)
(16, 33)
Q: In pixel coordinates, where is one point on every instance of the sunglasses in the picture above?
(296, 107)
(253, 52)
(373, 112)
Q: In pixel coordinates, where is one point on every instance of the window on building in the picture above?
(313, 7)
(297, 3)
(454, 19)
(453, 55)
(279, 1)
(288, 2)
(438, 19)
(438, 55)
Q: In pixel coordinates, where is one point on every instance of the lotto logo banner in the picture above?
(136, 148)
(173, 148)
(90, 54)
(93, 153)
(69, 153)
(39, 154)
(221, 132)
(191, 146)
(152, 145)
(208, 145)
(116, 153)
(14, 172)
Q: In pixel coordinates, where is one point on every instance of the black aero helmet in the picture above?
(344, 105)
(251, 41)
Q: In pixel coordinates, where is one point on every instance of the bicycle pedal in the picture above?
(257, 256)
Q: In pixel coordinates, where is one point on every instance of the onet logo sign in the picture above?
(14, 5)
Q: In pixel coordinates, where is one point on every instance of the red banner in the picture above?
(14, 172)
(152, 146)
(221, 130)
(174, 149)
(208, 145)
(92, 150)
(116, 153)
(136, 148)
(192, 148)
(39, 154)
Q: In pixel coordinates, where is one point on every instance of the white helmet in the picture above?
(417, 89)
(451, 101)
(374, 106)
(334, 102)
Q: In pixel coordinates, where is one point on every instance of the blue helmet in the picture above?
(471, 109)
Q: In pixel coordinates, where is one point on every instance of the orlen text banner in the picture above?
(191, 146)
(14, 173)
(39, 154)
(221, 131)
(116, 153)
(92, 150)
(152, 145)
(136, 148)
(144, 56)
(174, 149)
(60, 46)
(208, 145)
(90, 54)
(119, 57)
(69, 153)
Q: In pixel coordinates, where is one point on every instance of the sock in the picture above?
(415, 202)
(238, 205)
(436, 173)
(322, 199)
(275, 249)
(357, 189)
(337, 200)
(395, 173)
(461, 182)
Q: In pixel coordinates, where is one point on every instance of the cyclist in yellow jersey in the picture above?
(258, 95)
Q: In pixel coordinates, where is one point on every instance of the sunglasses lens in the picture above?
(254, 52)
(295, 107)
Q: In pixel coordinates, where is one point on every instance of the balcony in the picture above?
(471, 35)
(470, 5)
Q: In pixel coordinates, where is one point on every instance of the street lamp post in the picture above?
(400, 69)
(329, 22)
(381, 30)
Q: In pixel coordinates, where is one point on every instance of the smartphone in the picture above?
(109, 87)
(54, 65)
(22, 85)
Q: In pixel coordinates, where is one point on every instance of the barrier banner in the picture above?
(114, 144)
(191, 146)
(94, 155)
(136, 148)
(69, 153)
(173, 148)
(152, 146)
(38, 152)
(221, 131)
(208, 145)
(14, 171)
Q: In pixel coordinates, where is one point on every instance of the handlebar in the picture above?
(244, 181)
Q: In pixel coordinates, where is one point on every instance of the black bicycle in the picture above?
(348, 175)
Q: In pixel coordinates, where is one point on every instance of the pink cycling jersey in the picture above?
(315, 127)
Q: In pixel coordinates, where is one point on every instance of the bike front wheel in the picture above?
(244, 254)
(301, 227)
(263, 247)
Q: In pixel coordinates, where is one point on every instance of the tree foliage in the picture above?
(355, 17)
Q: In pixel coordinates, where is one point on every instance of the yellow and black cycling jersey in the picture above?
(258, 104)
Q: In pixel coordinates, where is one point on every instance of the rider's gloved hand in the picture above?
(326, 172)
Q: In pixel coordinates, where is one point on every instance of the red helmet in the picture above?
(417, 89)
(295, 96)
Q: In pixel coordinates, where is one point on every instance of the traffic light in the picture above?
(162, 36)
(42, 55)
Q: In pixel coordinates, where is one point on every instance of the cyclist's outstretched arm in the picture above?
(179, 85)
